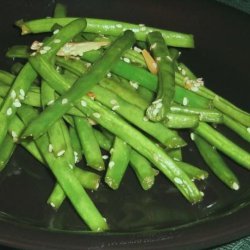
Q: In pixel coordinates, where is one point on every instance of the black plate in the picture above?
(159, 218)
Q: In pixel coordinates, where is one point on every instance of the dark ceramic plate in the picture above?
(159, 218)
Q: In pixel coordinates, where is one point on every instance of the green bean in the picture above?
(103, 141)
(181, 121)
(159, 108)
(223, 144)
(140, 143)
(60, 11)
(87, 179)
(193, 172)
(18, 51)
(143, 170)
(108, 27)
(76, 145)
(65, 177)
(90, 147)
(118, 163)
(241, 130)
(6, 151)
(216, 163)
(88, 80)
(205, 115)
(136, 116)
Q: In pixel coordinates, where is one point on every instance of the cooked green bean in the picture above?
(84, 84)
(216, 163)
(107, 27)
(118, 163)
(159, 108)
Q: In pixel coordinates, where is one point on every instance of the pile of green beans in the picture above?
(64, 110)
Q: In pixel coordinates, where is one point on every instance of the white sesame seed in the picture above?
(145, 119)
(169, 58)
(105, 157)
(17, 103)
(60, 153)
(71, 166)
(33, 54)
(22, 92)
(235, 186)
(109, 75)
(158, 58)
(83, 103)
(88, 64)
(135, 85)
(13, 94)
(57, 41)
(115, 107)
(47, 48)
(201, 193)
(64, 101)
(111, 164)
(178, 180)
(76, 156)
(153, 46)
(183, 72)
(14, 135)
(192, 136)
(96, 115)
(194, 88)
(56, 31)
(113, 102)
(185, 101)
(179, 68)
(9, 111)
(157, 101)
(248, 130)
(137, 49)
(50, 102)
(52, 204)
(118, 25)
(111, 151)
(127, 60)
(50, 148)
(42, 52)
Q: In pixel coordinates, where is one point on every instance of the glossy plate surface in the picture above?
(158, 218)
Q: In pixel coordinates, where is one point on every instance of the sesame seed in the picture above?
(64, 101)
(47, 48)
(153, 46)
(109, 75)
(56, 31)
(137, 49)
(14, 135)
(157, 101)
(235, 186)
(178, 180)
(145, 119)
(135, 85)
(192, 136)
(9, 111)
(96, 115)
(127, 60)
(50, 102)
(105, 157)
(13, 94)
(42, 52)
(50, 148)
(22, 92)
(33, 54)
(57, 41)
(185, 101)
(60, 153)
(52, 204)
(201, 193)
(179, 68)
(169, 58)
(118, 25)
(76, 156)
(248, 130)
(158, 58)
(113, 102)
(88, 65)
(83, 103)
(71, 166)
(194, 88)
(17, 103)
(183, 72)
(115, 107)
(111, 164)
(111, 151)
